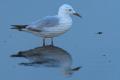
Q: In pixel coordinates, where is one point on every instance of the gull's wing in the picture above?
(49, 21)
(37, 26)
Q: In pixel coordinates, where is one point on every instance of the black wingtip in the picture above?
(18, 27)
(77, 68)
(13, 25)
(13, 28)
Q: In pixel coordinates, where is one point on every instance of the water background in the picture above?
(97, 54)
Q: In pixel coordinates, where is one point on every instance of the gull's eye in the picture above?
(70, 9)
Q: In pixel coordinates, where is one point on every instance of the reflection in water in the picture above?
(99, 33)
(48, 56)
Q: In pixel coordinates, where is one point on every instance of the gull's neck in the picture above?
(65, 18)
(63, 15)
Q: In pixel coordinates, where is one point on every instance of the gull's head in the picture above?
(66, 9)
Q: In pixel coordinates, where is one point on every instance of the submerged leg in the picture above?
(43, 41)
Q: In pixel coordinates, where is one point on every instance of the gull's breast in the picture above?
(49, 32)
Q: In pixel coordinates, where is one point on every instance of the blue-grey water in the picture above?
(98, 54)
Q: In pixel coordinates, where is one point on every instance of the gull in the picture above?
(48, 56)
(51, 26)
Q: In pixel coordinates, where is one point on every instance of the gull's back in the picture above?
(49, 21)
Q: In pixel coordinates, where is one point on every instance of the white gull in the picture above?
(51, 26)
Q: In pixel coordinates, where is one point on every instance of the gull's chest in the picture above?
(65, 21)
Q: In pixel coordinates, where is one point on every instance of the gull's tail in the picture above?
(19, 27)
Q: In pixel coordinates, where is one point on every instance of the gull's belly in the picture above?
(50, 32)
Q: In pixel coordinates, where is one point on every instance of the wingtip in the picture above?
(77, 68)
(13, 27)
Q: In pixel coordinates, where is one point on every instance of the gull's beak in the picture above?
(77, 14)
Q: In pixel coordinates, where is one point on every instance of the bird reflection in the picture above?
(48, 56)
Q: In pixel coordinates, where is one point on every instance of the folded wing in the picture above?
(49, 21)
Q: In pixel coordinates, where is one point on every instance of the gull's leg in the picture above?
(52, 43)
(43, 41)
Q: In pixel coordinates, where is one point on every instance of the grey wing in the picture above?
(49, 21)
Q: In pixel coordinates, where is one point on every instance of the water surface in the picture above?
(98, 54)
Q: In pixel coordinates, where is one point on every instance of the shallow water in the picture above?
(98, 54)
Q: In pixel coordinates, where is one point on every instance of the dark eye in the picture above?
(70, 9)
